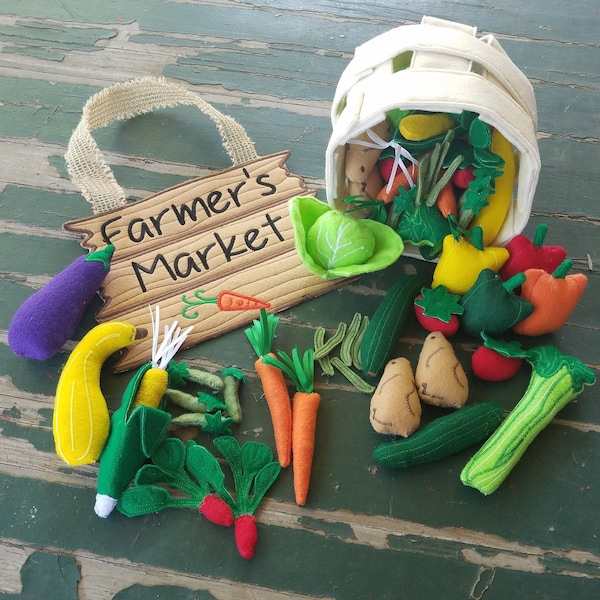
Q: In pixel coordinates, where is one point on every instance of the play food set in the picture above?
(409, 169)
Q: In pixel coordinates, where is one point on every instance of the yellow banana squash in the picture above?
(81, 421)
(491, 217)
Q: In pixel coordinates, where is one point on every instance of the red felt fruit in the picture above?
(531, 254)
(385, 166)
(435, 324)
(489, 365)
(462, 177)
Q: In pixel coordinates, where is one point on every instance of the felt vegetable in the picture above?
(531, 254)
(554, 297)
(462, 260)
(462, 177)
(446, 201)
(418, 223)
(443, 436)
(491, 217)
(491, 306)
(305, 211)
(232, 378)
(260, 336)
(225, 301)
(489, 365)
(403, 179)
(48, 318)
(422, 126)
(556, 379)
(305, 404)
(360, 162)
(437, 310)
(395, 406)
(194, 471)
(81, 421)
(139, 425)
(338, 240)
(170, 469)
(385, 325)
(440, 378)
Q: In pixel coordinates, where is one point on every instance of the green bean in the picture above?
(348, 341)
(358, 382)
(332, 342)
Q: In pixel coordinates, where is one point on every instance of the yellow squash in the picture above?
(81, 421)
(491, 217)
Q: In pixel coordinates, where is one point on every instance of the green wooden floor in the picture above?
(366, 531)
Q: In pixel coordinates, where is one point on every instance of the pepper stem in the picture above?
(540, 234)
(477, 238)
(514, 282)
(561, 271)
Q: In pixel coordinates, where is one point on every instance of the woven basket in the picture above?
(445, 67)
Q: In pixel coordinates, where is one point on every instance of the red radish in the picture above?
(462, 177)
(216, 510)
(490, 365)
(246, 535)
(385, 166)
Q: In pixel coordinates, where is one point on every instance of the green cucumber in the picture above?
(443, 437)
(384, 327)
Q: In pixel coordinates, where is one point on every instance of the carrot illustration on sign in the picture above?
(225, 301)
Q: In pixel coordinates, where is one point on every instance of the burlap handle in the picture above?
(86, 165)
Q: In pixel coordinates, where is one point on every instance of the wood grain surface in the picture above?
(366, 531)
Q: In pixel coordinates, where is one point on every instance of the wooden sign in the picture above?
(210, 252)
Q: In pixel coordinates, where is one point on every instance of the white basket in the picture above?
(449, 70)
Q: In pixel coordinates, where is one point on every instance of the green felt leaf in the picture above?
(170, 455)
(177, 373)
(204, 466)
(146, 499)
(421, 225)
(265, 478)
(439, 303)
(217, 424)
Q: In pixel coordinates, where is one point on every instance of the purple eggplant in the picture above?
(48, 318)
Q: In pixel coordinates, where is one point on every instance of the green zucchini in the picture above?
(385, 325)
(443, 437)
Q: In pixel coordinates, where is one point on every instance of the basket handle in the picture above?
(86, 165)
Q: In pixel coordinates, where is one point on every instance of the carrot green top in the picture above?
(261, 333)
(299, 368)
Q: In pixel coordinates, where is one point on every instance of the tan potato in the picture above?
(395, 405)
(440, 378)
(361, 161)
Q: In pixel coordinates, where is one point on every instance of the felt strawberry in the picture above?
(491, 306)
(437, 310)
(531, 254)
(554, 297)
(489, 365)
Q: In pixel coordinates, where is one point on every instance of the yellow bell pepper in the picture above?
(492, 216)
(462, 260)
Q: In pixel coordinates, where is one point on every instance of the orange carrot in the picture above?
(301, 370)
(446, 201)
(399, 180)
(261, 335)
(304, 420)
(280, 407)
